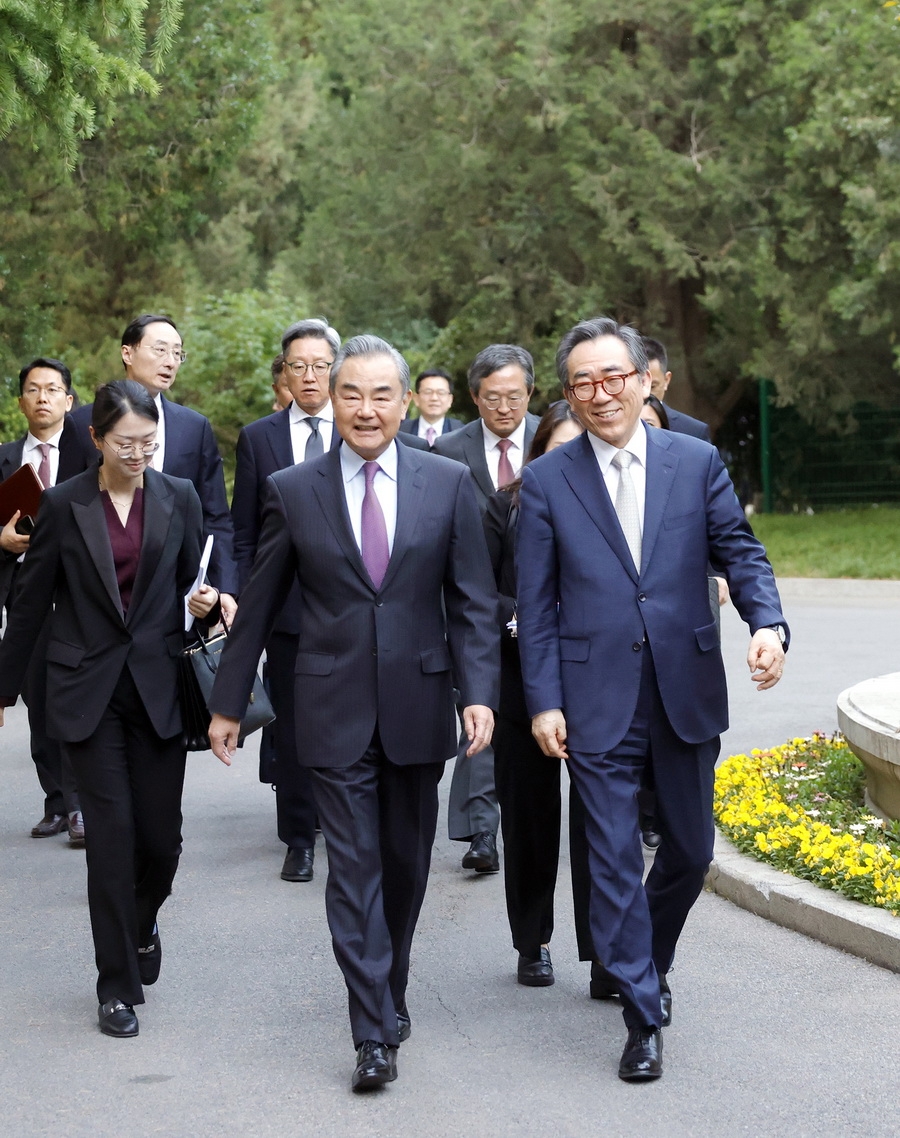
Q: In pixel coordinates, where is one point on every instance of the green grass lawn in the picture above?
(862, 541)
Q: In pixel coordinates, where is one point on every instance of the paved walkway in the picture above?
(246, 1032)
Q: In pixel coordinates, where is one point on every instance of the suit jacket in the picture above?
(70, 566)
(584, 610)
(191, 453)
(686, 425)
(467, 445)
(411, 427)
(71, 462)
(370, 656)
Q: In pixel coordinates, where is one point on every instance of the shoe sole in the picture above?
(536, 981)
(371, 1082)
(640, 1076)
(296, 877)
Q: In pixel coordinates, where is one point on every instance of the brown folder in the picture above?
(21, 491)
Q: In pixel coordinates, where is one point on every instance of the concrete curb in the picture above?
(859, 929)
(836, 588)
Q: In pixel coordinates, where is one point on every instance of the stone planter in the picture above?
(869, 717)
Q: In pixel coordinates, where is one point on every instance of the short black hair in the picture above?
(46, 361)
(113, 400)
(434, 373)
(593, 329)
(496, 356)
(134, 333)
(656, 351)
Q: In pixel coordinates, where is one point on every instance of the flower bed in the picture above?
(800, 808)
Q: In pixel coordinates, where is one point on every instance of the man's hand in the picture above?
(223, 737)
(765, 659)
(724, 594)
(12, 542)
(202, 601)
(478, 722)
(549, 728)
(229, 608)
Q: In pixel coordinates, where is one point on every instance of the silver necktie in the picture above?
(627, 505)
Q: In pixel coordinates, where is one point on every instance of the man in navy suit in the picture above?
(660, 378)
(433, 396)
(152, 352)
(494, 447)
(51, 446)
(302, 431)
(620, 653)
(396, 604)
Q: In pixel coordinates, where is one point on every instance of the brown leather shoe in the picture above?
(50, 825)
(76, 829)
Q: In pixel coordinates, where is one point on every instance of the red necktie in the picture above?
(505, 473)
(44, 468)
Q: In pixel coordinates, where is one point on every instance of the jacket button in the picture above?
(642, 596)
(635, 647)
(379, 604)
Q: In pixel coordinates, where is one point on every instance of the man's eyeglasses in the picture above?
(585, 389)
(513, 402)
(163, 350)
(130, 449)
(319, 369)
(36, 392)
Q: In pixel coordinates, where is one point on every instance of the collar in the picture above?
(297, 416)
(517, 438)
(352, 463)
(31, 442)
(636, 445)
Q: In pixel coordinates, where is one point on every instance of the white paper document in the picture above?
(201, 580)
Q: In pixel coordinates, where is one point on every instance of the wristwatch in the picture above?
(778, 629)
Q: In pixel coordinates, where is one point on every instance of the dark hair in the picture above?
(134, 333)
(659, 407)
(496, 356)
(557, 413)
(592, 330)
(434, 373)
(317, 327)
(114, 400)
(656, 351)
(277, 367)
(46, 361)
(365, 347)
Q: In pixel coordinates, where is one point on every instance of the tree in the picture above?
(60, 64)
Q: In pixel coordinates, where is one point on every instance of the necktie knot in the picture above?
(314, 421)
(43, 471)
(370, 469)
(430, 435)
(622, 459)
(314, 444)
(504, 445)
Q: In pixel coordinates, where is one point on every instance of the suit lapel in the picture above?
(159, 503)
(662, 467)
(410, 483)
(476, 460)
(586, 482)
(329, 489)
(279, 439)
(91, 521)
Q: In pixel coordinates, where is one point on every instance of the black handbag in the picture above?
(197, 667)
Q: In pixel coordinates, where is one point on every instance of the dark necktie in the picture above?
(314, 444)
(375, 551)
(44, 468)
(505, 473)
(627, 505)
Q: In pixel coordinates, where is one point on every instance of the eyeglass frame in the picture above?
(619, 381)
(128, 450)
(322, 364)
(513, 402)
(179, 355)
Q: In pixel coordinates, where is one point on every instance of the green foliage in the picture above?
(862, 543)
(62, 64)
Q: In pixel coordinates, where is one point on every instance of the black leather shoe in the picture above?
(49, 826)
(642, 1058)
(150, 959)
(649, 835)
(665, 999)
(536, 972)
(603, 984)
(298, 865)
(117, 1019)
(76, 829)
(404, 1026)
(376, 1064)
(482, 854)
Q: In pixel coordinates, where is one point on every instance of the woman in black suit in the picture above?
(528, 783)
(114, 552)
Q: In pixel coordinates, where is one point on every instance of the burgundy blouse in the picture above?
(126, 542)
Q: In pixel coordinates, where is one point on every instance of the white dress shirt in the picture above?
(384, 483)
(159, 456)
(32, 455)
(301, 430)
(515, 454)
(637, 446)
(438, 427)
